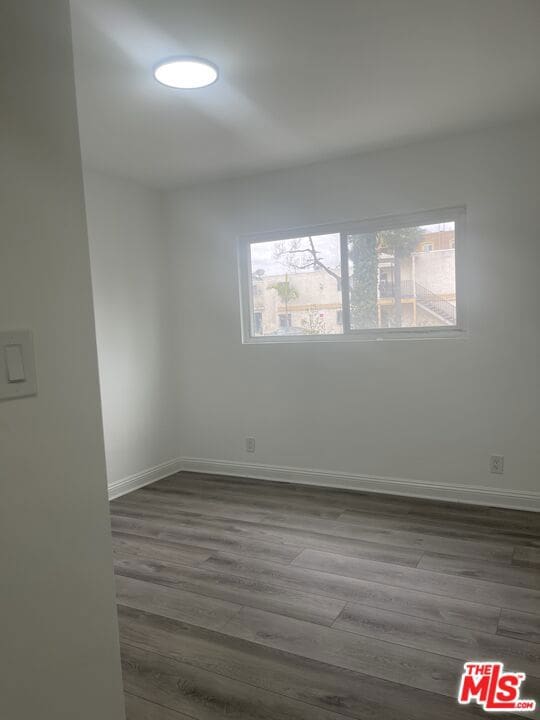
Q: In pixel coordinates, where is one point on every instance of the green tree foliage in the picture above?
(364, 253)
(363, 282)
(400, 243)
(285, 291)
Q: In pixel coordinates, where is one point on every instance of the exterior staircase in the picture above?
(426, 299)
(435, 304)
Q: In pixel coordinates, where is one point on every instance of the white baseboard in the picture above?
(473, 495)
(146, 477)
(479, 495)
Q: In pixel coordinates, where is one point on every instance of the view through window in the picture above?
(347, 282)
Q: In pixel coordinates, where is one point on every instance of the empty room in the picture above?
(269, 359)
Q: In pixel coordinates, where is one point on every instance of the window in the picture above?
(394, 276)
(285, 320)
(257, 323)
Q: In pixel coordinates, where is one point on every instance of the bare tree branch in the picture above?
(315, 261)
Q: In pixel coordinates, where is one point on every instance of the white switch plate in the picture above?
(17, 366)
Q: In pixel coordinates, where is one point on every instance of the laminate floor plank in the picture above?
(350, 499)
(139, 709)
(527, 556)
(205, 695)
(482, 570)
(298, 529)
(234, 589)
(204, 538)
(242, 598)
(196, 502)
(438, 583)
(448, 640)
(283, 535)
(477, 518)
(203, 611)
(439, 608)
(245, 496)
(524, 626)
(353, 694)
(453, 528)
(200, 499)
(385, 660)
(126, 544)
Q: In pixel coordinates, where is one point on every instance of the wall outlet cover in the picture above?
(496, 464)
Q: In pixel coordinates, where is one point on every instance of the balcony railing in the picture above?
(437, 304)
(434, 303)
(386, 289)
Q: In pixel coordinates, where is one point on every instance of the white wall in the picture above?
(429, 410)
(132, 298)
(59, 631)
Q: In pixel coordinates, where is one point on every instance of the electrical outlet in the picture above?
(496, 464)
(250, 445)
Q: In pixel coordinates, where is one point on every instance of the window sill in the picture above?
(363, 336)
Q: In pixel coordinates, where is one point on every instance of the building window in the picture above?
(285, 320)
(386, 279)
(257, 323)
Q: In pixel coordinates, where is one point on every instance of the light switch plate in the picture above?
(17, 365)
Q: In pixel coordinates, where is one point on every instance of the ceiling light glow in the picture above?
(186, 73)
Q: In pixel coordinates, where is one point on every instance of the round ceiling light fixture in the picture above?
(186, 73)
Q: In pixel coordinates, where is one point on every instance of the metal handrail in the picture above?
(438, 304)
(424, 295)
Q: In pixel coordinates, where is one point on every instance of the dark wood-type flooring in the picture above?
(245, 599)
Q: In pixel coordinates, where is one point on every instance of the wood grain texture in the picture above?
(440, 608)
(234, 589)
(205, 695)
(524, 626)
(204, 538)
(526, 556)
(264, 532)
(332, 535)
(332, 688)
(482, 570)
(385, 660)
(194, 608)
(480, 591)
(127, 545)
(256, 600)
(443, 639)
(190, 482)
(139, 709)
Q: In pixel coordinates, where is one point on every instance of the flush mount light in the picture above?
(186, 73)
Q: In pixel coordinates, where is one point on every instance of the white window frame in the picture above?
(431, 217)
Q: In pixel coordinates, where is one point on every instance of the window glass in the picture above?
(403, 278)
(296, 286)
(396, 276)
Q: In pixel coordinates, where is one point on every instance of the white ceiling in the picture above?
(300, 79)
